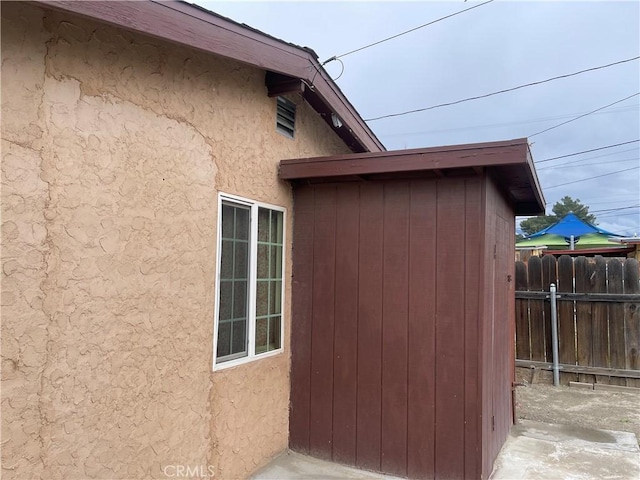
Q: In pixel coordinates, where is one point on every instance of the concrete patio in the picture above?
(534, 451)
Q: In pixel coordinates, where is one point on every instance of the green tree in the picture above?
(563, 207)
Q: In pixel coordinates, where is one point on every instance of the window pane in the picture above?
(263, 225)
(226, 299)
(241, 260)
(224, 339)
(262, 327)
(276, 262)
(276, 227)
(226, 260)
(240, 300)
(263, 261)
(275, 297)
(242, 223)
(227, 221)
(262, 298)
(239, 336)
(274, 333)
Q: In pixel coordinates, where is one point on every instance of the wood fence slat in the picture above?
(616, 318)
(584, 270)
(523, 346)
(549, 276)
(632, 320)
(536, 309)
(566, 327)
(600, 332)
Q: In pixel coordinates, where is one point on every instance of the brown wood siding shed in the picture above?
(402, 316)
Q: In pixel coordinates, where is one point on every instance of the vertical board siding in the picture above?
(449, 431)
(523, 338)
(600, 332)
(549, 276)
(470, 351)
(369, 379)
(584, 271)
(301, 306)
(536, 310)
(566, 338)
(394, 328)
(390, 349)
(323, 294)
(346, 325)
(421, 351)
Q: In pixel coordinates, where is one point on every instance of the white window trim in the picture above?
(253, 272)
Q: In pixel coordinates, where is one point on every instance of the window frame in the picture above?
(253, 206)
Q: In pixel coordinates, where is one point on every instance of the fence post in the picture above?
(554, 335)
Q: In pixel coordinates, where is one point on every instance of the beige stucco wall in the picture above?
(114, 147)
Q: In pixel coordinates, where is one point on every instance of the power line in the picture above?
(590, 164)
(508, 124)
(584, 115)
(591, 178)
(335, 57)
(615, 209)
(588, 158)
(501, 91)
(587, 151)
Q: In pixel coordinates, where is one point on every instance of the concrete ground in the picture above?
(534, 450)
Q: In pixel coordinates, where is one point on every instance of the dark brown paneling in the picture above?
(549, 276)
(450, 268)
(369, 380)
(346, 325)
(321, 411)
(301, 306)
(566, 337)
(394, 328)
(470, 296)
(421, 343)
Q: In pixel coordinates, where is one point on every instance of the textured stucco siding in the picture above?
(114, 148)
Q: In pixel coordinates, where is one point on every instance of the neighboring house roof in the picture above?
(290, 68)
(570, 225)
(509, 162)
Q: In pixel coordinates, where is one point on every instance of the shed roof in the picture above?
(509, 162)
(293, 68)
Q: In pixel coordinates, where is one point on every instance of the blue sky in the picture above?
(496, 46)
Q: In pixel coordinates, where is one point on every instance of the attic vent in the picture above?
(286, 117)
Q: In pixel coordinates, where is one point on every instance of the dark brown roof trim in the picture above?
(193, 26)
(508, 162)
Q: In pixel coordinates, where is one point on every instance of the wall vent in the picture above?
(286, 117)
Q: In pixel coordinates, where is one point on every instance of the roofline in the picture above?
(193, 26)
(511, 158)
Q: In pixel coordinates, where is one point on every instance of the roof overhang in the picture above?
(186, 24)
(509, 163)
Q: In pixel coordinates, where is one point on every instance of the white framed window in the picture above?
(249, 285)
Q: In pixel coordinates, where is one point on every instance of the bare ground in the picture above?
(600, 409)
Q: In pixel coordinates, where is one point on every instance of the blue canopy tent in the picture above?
(571, 225)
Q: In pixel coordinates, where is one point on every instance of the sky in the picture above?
(493, 47)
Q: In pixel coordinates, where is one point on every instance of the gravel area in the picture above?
(601, 409)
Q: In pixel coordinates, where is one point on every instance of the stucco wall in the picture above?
(114, 147)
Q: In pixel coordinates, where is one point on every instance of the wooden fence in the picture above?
(598, 317)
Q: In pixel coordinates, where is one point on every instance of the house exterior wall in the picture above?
(114, 148)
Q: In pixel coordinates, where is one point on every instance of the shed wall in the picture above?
(114, 148)
(386, 325)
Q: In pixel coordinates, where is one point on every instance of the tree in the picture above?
(563, 207)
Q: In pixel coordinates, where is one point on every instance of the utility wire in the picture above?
(627, 108)
(591, 178)
(572, 162)
(587, 151)
(584, 115)
(501, 91)
(335, 57)
(589, 164)
(615, 209)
